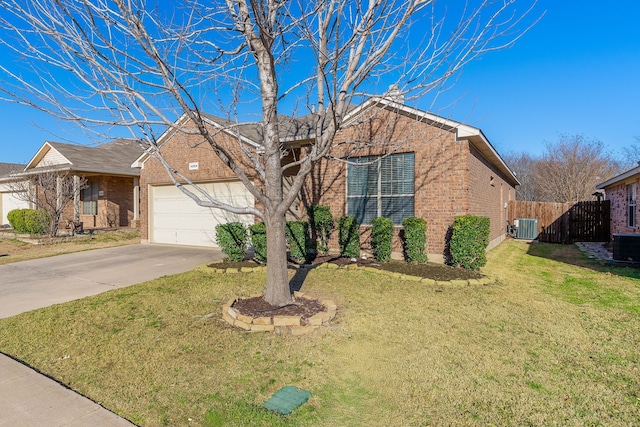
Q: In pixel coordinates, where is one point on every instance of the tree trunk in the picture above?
(278, 292)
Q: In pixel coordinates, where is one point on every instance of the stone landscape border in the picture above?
(293, 325)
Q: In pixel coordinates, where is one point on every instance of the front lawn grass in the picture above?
(13, 250)
(550, 343)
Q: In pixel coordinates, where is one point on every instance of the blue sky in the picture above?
(576, 72)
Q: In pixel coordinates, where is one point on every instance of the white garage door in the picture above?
(176, 219)
(8, 203)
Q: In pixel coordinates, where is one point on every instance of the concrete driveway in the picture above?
(28, 285)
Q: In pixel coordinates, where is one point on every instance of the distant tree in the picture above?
(632, 154)
(523, 165)
(570, 169)
(51, 191)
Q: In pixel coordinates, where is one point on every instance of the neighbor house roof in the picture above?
(619, 178)
(112, 158)
(9, 168)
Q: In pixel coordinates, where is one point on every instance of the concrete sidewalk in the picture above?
(28, 398)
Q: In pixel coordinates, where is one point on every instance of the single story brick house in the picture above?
(391, 160)
(622, 192)
(110, 199)
(8, 200)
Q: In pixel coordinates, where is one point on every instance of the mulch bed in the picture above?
(258, 307)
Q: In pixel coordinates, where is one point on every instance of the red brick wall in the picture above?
(489, 194)
(617, 194)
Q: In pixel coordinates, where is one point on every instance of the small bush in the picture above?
(30, 221)
(469, 241)
(232, 238)
(258, 234)
(16, 219)
(349, 236)
(415, 239)
(322, 224)
(299, 240)
(381, 238)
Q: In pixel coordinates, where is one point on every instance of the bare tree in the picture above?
(524, 165)
(52, 191)
(632, 154)
(141, 65)
(570, 169)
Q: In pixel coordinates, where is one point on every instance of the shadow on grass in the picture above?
(571, 254)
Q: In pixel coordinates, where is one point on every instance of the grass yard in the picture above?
(554, 341)
(14, 250)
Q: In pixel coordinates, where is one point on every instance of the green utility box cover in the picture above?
(285, 400)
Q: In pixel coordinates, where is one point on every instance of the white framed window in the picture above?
(381, 186)
(631, 205)
(89, 198)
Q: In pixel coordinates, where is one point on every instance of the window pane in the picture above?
(90, 208)
(364, 209)
(362, 179)
(397, 208)
(397, 174)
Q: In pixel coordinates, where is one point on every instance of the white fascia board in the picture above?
(139, 162)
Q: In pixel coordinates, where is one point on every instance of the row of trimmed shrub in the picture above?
(31, 221)
(469, 238)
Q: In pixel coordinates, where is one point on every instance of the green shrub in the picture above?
(16, 220)
(414, 239)
(232, 238)
(381, 238)
(30, 221)
(299, 240)
(322, 224)
(469, 241)
(258, 234)
(349, 236)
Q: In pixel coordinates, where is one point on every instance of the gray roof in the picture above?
(9, 168)
(114, 157)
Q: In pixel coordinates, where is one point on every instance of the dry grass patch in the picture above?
(520, 352)
(14, 250)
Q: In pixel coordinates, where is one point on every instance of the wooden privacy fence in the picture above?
(566, 222)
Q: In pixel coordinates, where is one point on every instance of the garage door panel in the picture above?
(176, 219)
(8, 203)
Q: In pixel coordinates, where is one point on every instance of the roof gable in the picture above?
(114, 157)
(462, 131)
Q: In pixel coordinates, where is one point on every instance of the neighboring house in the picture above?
(396, 162)
(110, 199)
(622, 192)
(8, 200)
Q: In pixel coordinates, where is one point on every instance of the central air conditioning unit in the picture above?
(626, 247)
(527, 228)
